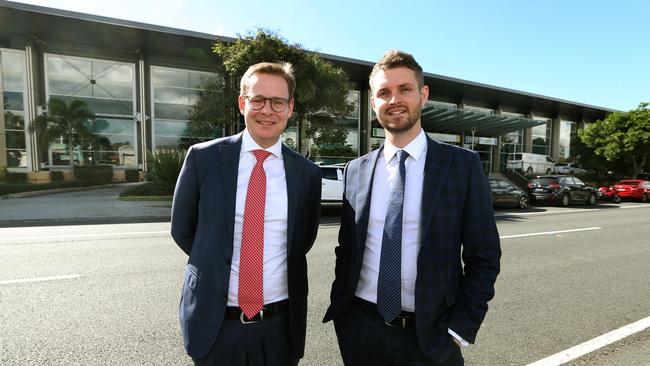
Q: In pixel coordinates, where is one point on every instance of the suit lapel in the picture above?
(364, 192)
(295, 189)
(436, 168)
(229, 162)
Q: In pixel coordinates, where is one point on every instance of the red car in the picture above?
(608, 193)
(634, 189)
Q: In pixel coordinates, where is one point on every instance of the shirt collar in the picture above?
(415, 148)
(248, 144)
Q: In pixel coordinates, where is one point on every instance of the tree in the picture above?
(622, 136)
(67, 120)
(321, 88)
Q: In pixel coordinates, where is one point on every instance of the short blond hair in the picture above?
(285, 70)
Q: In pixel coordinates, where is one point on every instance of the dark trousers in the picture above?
(365, 340)
(267, 343)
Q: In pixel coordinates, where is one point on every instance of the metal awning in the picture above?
(444, 119)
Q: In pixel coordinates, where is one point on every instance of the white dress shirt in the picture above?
(275, 221)
(385, 176)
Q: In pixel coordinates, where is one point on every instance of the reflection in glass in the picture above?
(336, 142)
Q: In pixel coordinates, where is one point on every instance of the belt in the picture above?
(405, 319)
(269, 310)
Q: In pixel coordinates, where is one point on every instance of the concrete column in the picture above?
(143, 118)
(32, 72)
(3, 136)
(555, 138)
(496, 156)
(528, 137)
(364, 121)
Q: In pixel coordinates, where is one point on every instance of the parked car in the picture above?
(562, 189)
(633, 189)
(506, 194)
(608, 193)
(332, 189)
(569, 168)
(531, 163)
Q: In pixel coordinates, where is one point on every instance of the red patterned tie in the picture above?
(251, 294)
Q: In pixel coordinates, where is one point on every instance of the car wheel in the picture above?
(523, 202)
(565, 200)
(644, 198)
(592, 200)
(616, 199)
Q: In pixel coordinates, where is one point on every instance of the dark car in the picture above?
(562, 189)
(505, 194)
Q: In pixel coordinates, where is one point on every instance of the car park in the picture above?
(332, 189)
(562, 189)
(505, 194)
(569, 168)
(633, 189)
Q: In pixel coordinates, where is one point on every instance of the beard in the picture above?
(412, 117)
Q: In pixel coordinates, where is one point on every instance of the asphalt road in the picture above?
(119, 305)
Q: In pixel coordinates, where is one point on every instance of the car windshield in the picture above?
(561, 164)
(544, 181)
(627, 183)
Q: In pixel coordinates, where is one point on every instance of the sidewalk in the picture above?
(88, 206)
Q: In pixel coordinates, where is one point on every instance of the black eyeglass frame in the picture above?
(270, 99)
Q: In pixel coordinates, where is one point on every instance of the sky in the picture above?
(594, 52)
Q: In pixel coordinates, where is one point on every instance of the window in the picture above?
(13, 145)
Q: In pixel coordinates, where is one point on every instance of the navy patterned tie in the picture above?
(389, 284)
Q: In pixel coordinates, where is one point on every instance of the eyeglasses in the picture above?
(257, 102)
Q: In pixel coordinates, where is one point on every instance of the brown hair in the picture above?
(397, 58)
(285, 70)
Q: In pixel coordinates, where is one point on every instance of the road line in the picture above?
(39, 279)
(593, 344)
(550, 232)
(81, 236)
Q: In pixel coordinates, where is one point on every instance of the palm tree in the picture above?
(68, 120)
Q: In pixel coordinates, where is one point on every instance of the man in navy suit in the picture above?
(418, 249)
(246, 210)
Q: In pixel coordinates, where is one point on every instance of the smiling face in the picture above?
(265, 125)
(397, 100)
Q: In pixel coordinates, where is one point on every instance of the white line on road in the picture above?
(40, 279)
(593, 344)
(81, 236)
(550, 232)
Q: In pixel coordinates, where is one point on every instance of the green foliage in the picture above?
(321, 88)
(131, 175)
(94, 173)
(165, 165)
(623, 137)
(154, 188)
(56, 176)
(16, 177)
(10, 188)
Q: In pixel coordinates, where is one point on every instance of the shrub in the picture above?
(131, 175)
(56, 176)
(154, 188)
(93, 173)
(16, 177)
(165, 165)
(3, 174)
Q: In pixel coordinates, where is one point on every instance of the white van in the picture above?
(531, 163)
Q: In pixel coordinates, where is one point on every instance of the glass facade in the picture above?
(13, 142)
(541, 137)
(567, 132)
(108, 88)
(512, 142)
(337, 142)
(174, 93)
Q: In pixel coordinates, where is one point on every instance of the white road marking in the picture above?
(593, 344)
(81, 236)
(40, 279)
(550, 232)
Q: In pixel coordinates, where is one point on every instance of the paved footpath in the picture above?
(98, 205)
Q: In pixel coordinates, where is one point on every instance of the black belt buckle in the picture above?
(242, 318)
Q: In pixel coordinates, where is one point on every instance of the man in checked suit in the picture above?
(246, 211)
(418, 249)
